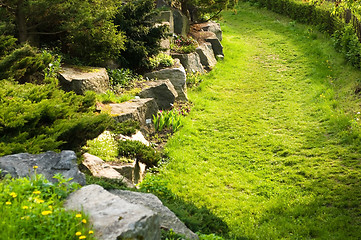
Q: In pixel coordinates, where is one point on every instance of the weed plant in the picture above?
(167, 120)
(162, 60)
(110, 97)
(182, 44)
(31, 208)
(272, 144)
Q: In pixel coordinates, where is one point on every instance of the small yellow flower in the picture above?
(13, 194)
(37, 200)
(8, 203)
(35, 167)
(82, 237)
(37, 192)
(25, 207)
(50, 207)
(91, 232)
(84, 220)
(44, 213)
(78, 215)
(78, 233)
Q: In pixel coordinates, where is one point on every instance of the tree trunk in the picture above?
(20, 20)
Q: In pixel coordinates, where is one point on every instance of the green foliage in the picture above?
(81, 29)
(171, 235)
(122, 77)
(135, 19)
(193, 79)
(140, 152)
(104, 146)
(127, 128)
(346, 41)
(7, 45)
(106, 183)
(31, 208)
(22, 63)
(182, 44)
(111, 97)
(304, 13)
(167, 120)
(37, 118)
(162, 60)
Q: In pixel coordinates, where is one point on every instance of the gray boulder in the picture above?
(168, 220)
(113, 217)
(48, 164)
(176, 75)
(166, 16)
(162, 91)
(98, 168)
(206, 55)
(216, 45)
(136, 109)
(181, 23)
(191, 62)
(212, 27)
(82, 79)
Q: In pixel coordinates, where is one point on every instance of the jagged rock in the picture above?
(49, 164)
(98, 168)
(162, 91)
(181, 23)
(166, 16)
(134, 172)
(205, 36)
(139, 110)
(81, 79)
(206, 55)
(138, 136)
(191, 62)
(168, 220)
(112, 217)
(212, 27)
(176, 75)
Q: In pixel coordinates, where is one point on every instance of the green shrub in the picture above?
(7, 45)
(346, 41)
(111, 97)
(140, 152)
(127, 128)
(182, 44)
(122, 77)
(22, 63)
(32, 209)
(193, 79)
(160, 61)
(104, 146)
(38, 118)
(135, 19)
(106, 183)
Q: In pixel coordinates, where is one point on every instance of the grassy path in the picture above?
(272, 144)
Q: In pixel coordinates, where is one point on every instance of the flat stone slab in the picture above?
(176, 75)
(113, 217)
(82, 79)
(139, 110)
(48, 164)
(168, 220)
(162, 91)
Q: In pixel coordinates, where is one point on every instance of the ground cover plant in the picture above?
(272, 145)
(31, 208)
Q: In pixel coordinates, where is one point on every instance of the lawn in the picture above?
(272, 145)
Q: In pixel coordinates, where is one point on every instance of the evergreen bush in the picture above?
(139, 151)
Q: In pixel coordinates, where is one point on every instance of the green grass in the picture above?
(272, 145)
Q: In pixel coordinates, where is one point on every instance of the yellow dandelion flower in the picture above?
(35, 167)
(44, 213)
(77, 233)
(37, 192)
(8, 203)
(50, 207)
(83, 221)
(25, 207)
(82, 237)
(13, 194)
(37, 200)
(91, 232)
(78, 215)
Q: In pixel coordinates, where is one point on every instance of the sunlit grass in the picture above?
(272, 145)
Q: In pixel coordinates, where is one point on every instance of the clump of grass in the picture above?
(31, 208)
(160, 61)
(182, 44)
(111, 97)
(104, 146)
(167, 120)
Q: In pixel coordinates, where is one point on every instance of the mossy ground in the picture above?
(272, 145)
